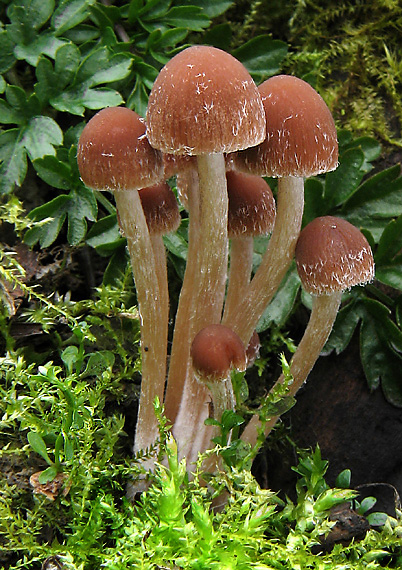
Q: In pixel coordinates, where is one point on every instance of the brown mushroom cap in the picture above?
(251, 205)
(160, 208)
(333, 255)
(215, 350)
(114, 154)
(301, 135)
(204, 101)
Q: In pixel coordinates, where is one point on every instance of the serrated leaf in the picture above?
(13, 166)
(104, 231)
(54, 172)
(50, 218)
(262, 56)
(343, 182)
(70, 13)
(45, 44)
(81, 207)
(41, 136)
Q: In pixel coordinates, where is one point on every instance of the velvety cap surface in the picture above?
(114, 154)
(252, 208)
(160, 208)
(215, 350)
(333, 255)
(301, 135)
(204, 101)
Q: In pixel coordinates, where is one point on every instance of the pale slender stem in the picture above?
(153, 327)
(240, 267)
(322, 318)
(276, 260)
(208, 289)
(180, 353)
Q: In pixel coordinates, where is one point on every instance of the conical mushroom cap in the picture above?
(301, 135)
(204, 101)
(333, 255)
(114, 154)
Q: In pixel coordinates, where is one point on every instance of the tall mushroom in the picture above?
(203, 103)
(332, 255)
(301, 141)
(114, 154)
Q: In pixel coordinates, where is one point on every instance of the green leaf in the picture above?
(283, 301)
(262, 56)
(7, 58)
(189, 17)
(100, 66)
(314, 203)
(345, 325)
(27, 17)
(13, 157)
(104, 231)
(379, 337)
(38, 445)
(54, 172)
(45, 44)
(40, 137)
(48, 475)
(343, 182)
(212, 8)
(376, 201)
(70, 13)
(50, 218)
(81, 207)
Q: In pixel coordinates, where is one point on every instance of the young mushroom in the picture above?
(301, 141)
(251, 213)
(203, 103)
(114, 154)
(332, 256)
(215, 351)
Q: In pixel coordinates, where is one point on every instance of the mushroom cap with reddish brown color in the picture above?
(251, 205)
(114, 154)
(160, 208)
(333, 255)
(215, 350)
(204, 101)
(301, 135)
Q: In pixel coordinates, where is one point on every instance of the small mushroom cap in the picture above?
(301, 135)
(204, 101)
(215, 350)
(252, 208)
(160, 208)
(114, 154)
(333, 255)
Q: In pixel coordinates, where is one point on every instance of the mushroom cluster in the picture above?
(211, 127)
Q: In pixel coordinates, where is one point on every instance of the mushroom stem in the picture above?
(153, 323)
(208, 289)
(240, 267)
(180, 352)
(322, 318)
(276, 260)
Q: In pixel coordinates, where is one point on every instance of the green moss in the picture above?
(350, 51)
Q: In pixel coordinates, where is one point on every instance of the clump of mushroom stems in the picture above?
(202, 298)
